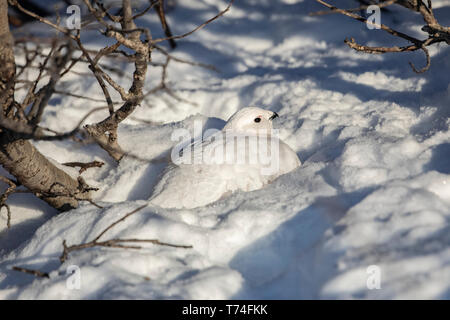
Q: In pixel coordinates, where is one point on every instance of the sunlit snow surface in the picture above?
(373, 189)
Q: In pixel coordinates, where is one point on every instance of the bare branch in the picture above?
(436, 32)
(162, 17)
(119, 221)
(98, 73)
(221, 13)
(427, 66)
(360, 8)
(115, 243)
(44, 94)
(364, 20)
(12, 187)
(192, 63)
(63, 30)
(36, 273)
(84, 165)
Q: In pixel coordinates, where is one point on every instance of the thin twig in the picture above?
(36, 273)
(120, 220)
(42, 19)
(221, 13)
(82, 97)
(360, 8)
(162, 17)
(11, 189)
(364, 20)
(84, 165)
(436, 32)
(115, 243)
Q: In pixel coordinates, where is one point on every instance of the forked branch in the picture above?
(436, 32)
(116, 242)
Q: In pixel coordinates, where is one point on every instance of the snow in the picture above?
(373, 188)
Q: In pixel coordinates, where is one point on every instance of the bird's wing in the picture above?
(193, 153)
(188, 186)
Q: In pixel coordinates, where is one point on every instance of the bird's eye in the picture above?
(257, 119)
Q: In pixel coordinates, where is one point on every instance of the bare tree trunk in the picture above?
(7, 65)
(38, 174)
(19, 156)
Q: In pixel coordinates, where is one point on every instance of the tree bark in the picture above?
(19, 157)
(32, 169)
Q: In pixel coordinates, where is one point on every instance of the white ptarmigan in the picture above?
(244, 155)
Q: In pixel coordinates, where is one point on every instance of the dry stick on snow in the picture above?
(82, 189)
(436, 32)
(84, 165)
(116, 243)
(36, 273)
(360, 8)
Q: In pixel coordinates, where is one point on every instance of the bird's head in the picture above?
(251, 120)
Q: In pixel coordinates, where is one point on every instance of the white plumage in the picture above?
(244, 155)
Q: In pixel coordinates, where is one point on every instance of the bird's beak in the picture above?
(273, 116)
